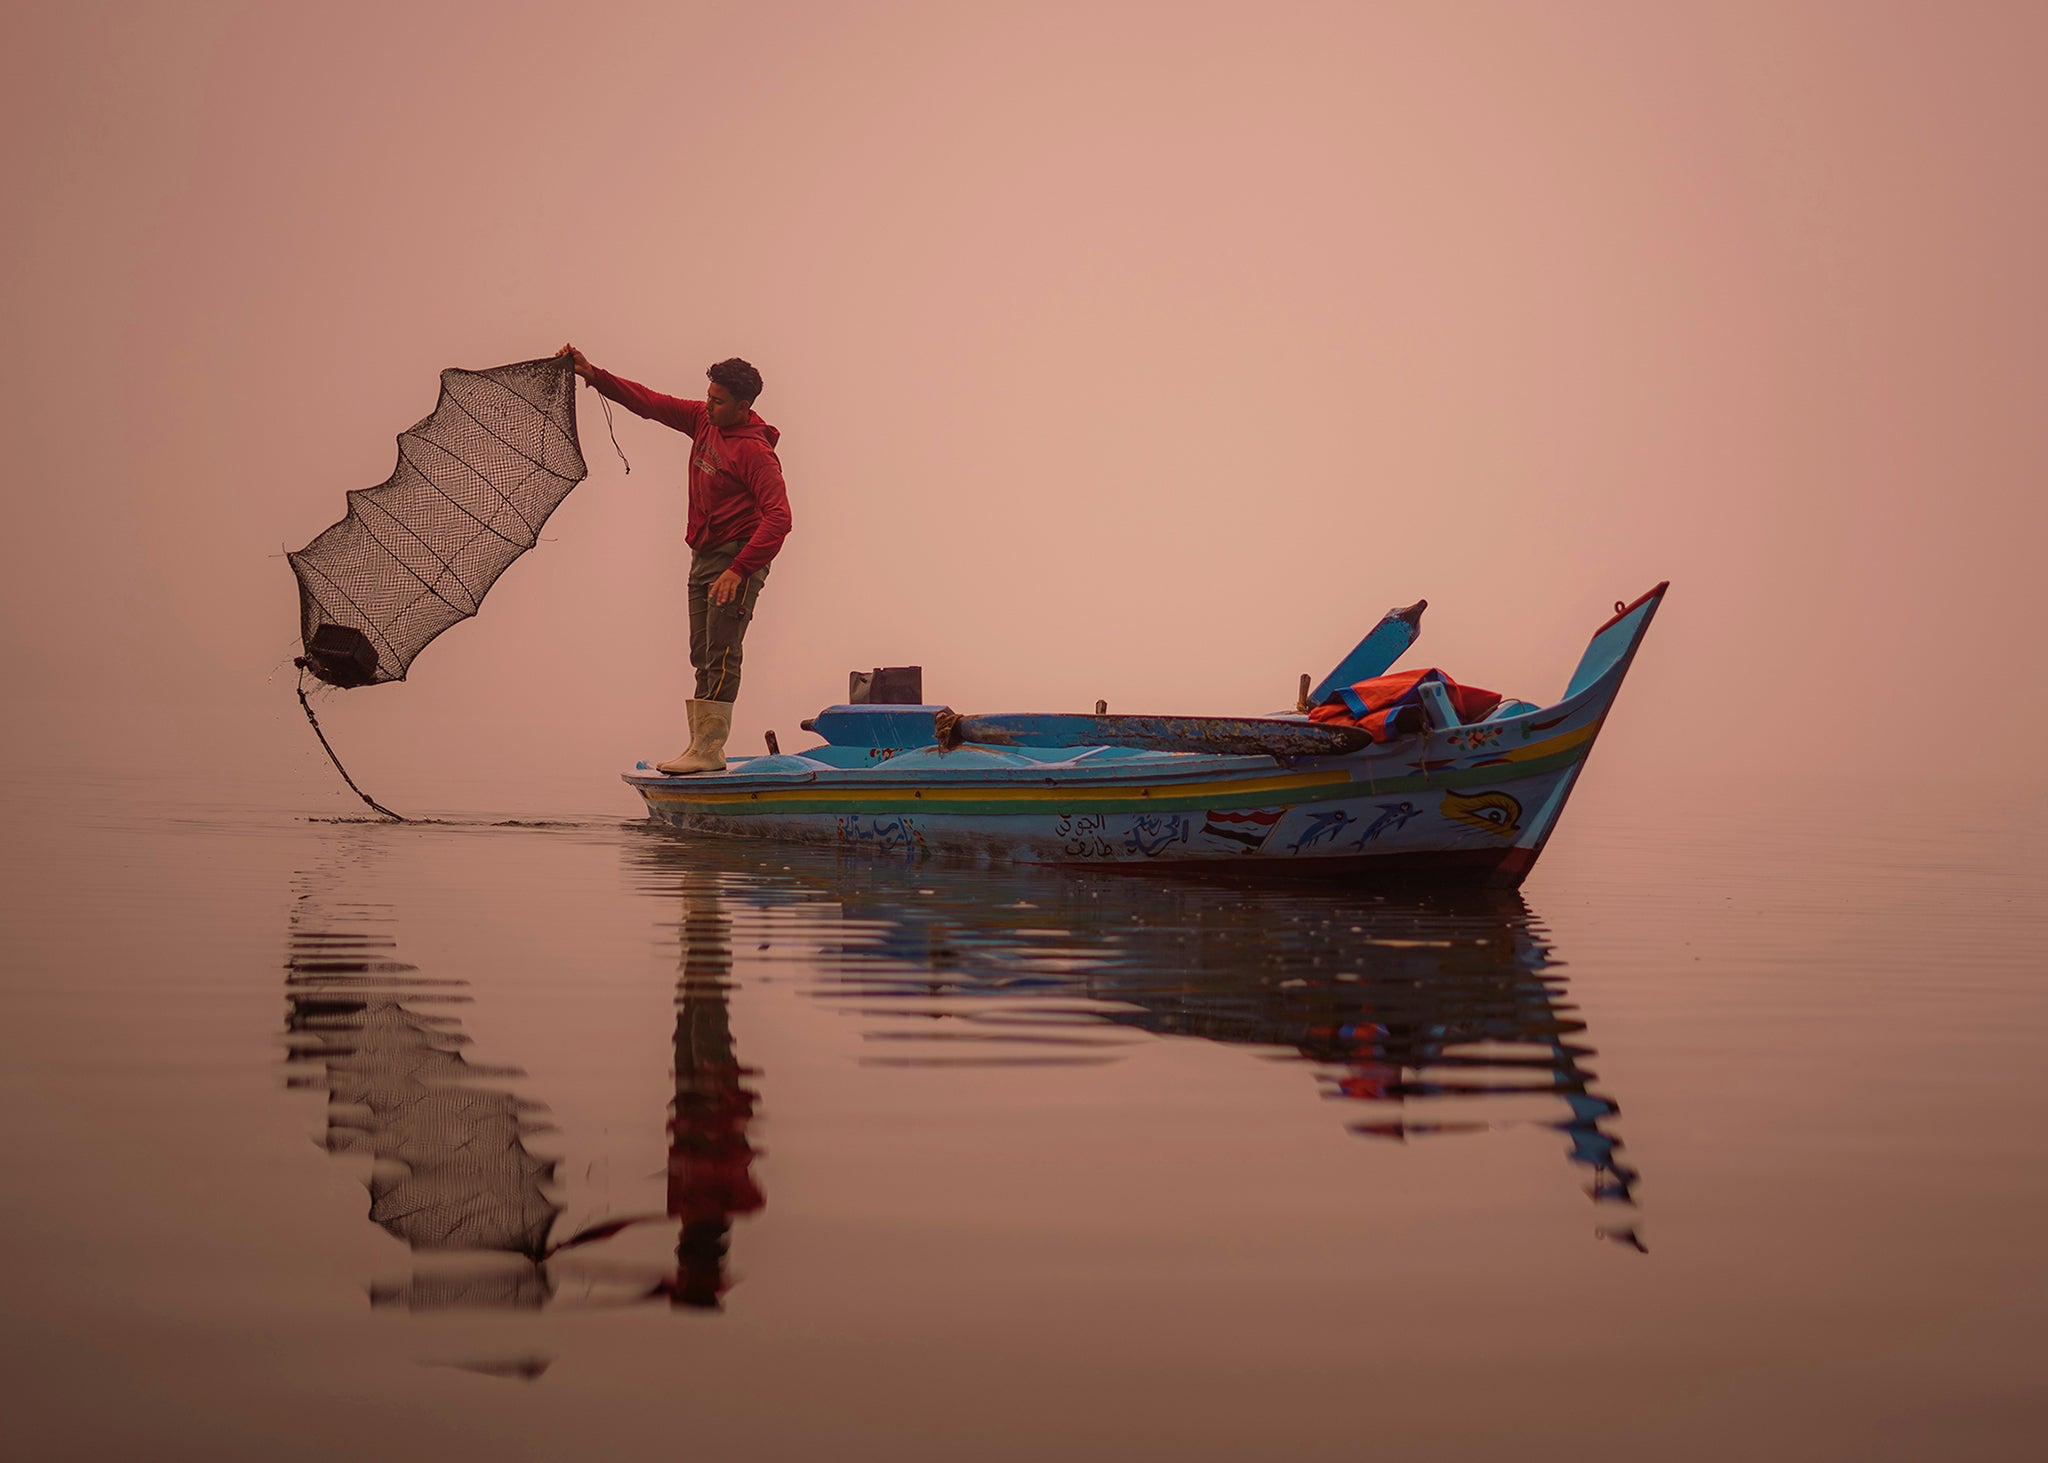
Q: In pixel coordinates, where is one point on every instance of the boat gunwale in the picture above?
(1345, 770)
(1321, 785)
(1218, 782)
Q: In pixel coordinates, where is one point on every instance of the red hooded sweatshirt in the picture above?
(736, 488)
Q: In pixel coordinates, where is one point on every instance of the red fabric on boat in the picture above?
(1373, 704)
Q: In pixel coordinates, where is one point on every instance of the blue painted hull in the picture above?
(1471, 804)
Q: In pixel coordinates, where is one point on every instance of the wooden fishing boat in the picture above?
(1278, 796)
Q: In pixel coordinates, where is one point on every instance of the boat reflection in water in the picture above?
(451, 1171)
(1432, 1012)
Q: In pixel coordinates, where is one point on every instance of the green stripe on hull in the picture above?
(1054, 801)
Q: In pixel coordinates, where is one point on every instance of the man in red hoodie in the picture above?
(739, 516)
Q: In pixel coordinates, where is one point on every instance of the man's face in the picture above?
(724, 409)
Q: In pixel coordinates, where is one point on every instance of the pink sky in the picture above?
(1137, 352)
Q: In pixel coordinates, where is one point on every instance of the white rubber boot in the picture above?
(710, 725)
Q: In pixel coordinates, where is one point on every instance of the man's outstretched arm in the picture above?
(670, 411)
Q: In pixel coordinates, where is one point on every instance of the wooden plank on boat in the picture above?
(1220, 736)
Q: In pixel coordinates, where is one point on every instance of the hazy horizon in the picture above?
(1136, 352)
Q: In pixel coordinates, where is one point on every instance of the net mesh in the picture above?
(474, 483)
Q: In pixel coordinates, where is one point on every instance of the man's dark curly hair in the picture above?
(736, 376)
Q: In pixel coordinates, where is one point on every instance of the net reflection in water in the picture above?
(450, 1169)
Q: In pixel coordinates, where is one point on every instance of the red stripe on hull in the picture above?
(1622, 611)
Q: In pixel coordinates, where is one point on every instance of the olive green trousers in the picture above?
(717, 632)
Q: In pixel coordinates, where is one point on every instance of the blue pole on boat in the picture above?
(1375, 654)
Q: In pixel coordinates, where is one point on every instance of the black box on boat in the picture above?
(890, 685)
(341, 655)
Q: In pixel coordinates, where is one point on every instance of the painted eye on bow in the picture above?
(1496, 812)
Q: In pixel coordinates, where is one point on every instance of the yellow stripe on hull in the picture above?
(1555, 745)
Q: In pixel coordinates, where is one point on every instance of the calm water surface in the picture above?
(573, 1137)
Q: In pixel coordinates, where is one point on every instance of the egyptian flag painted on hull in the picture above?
(1250, 827)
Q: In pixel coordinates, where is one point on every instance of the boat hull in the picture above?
(1475, 810)
(1467, 805)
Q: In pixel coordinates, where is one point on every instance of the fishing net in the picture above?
(417, 553)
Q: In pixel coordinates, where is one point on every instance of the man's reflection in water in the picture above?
(710, 1160)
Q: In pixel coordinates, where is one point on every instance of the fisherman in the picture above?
(739, 516)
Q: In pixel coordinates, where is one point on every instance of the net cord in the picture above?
(327, 747)
(606, 404)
